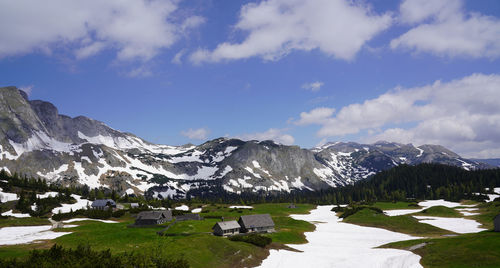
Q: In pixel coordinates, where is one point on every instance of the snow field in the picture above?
(338, 244)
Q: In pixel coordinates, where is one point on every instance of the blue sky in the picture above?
(299, 72)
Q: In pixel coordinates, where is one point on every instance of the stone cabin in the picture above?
(153, 217)
(103, 204)
(226, 228)
(292, 206)
(189, 217)
(260, 223)
(496, 222)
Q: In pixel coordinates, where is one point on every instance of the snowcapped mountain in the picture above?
(37, 141)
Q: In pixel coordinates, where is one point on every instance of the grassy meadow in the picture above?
(191, 240)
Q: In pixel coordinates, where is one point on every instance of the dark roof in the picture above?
(154, 215)
(259, 220)
(190, 216)
(228, 225)
(103, 202)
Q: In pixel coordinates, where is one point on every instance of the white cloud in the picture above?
(315, 116)
(140, 72)
(136, 29)
(338, 28)
(177, 59)
(463, 115)
(28, 89)
(314, 86)
(196, 134)
(274, 134)
(445, 29)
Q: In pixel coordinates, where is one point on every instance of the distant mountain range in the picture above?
(38, 141)
(495, 162)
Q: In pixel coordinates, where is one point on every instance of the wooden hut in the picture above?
(226, 228)
(260, 223)
(153, 217)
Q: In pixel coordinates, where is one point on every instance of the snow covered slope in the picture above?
(37, 141)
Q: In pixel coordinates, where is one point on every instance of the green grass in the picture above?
(468, 250)
(440, 211)
(31, 221)
(396, 205)
(403, 224)
(487, 211)
(191, 239)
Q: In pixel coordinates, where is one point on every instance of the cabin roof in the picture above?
(153, 215)
(228, 225)
(255, 221)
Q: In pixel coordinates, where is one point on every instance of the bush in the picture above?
(118, 213)
(255, 239)
(84, 256)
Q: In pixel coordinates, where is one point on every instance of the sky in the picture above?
(297, 72)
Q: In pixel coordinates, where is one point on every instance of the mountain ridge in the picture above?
(38, 141)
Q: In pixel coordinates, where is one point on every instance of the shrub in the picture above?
(255, 239)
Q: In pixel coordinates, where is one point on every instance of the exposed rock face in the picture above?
(37, 141)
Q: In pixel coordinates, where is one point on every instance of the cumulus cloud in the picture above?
(196, 134)
(338, 28)
(444, 28)
(274, 134)
(463, 115)
(314, 86)
(135, 29)
(316, 116)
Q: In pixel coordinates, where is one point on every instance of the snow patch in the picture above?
(338, 244)
(27, 234)
(6, 197)
(16, 215)
(182, 207)
(457, 225)
(80, 204)
(88, 219)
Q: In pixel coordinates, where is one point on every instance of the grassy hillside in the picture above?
(440, 211)
(191, 240)
(469, 250)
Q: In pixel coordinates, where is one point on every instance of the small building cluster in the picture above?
(260, 223)
(153, 217)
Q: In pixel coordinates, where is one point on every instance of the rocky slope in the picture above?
(37, 141)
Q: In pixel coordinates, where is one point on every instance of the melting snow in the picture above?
(241, 207)
(15, 215)
(80, 203)
(183, 207)
(457, 225)
(338, 244)
(196, 210)
(5, 197)
(27, 234)
(420, 152)
(249, 169)
(425, 205)
(87, 219)
(47, 194)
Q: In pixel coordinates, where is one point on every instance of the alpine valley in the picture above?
(37, 141)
